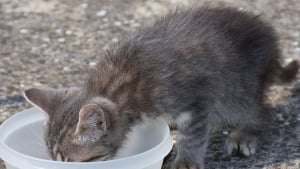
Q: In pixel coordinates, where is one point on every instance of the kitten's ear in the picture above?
(46, 99)
(92, 124)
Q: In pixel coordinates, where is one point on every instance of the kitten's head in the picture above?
(78, 126)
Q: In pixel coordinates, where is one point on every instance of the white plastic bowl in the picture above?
(22, 146)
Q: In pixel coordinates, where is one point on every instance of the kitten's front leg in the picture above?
(191, 141)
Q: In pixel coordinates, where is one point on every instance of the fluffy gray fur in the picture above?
(200, 66)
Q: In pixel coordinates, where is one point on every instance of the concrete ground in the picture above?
(53, 42)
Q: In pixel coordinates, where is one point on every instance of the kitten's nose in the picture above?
(59, 157)
(67, 159)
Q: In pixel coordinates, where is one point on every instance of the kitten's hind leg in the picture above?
(241, 142)
(247, 134)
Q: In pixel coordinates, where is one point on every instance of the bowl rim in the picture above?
(13, 157)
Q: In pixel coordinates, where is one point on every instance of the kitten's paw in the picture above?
(185, 165)
(239, 143)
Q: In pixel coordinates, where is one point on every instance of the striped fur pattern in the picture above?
(200, 66)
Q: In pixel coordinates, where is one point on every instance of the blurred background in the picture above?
(52, 43)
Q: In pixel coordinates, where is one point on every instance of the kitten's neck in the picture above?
(125, 126)
(131, 137)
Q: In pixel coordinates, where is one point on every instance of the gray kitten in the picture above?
(199, 67)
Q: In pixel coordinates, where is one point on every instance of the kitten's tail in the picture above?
(285, 74)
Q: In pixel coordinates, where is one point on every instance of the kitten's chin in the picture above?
(98, 159)
(104, 158)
